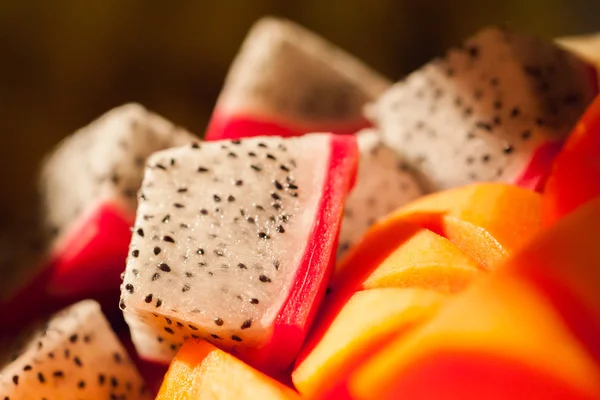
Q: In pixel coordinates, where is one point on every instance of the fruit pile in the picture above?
(439, 242)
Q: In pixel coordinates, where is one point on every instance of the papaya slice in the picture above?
(503, 337)
(488, 221)
(422, 259)
(202, 371)
(369, 320)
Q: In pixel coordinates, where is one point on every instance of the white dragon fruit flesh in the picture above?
(384, 183)
(74, 355)
(88, 199)
(495, 109)
(288, 81)
(234, 242)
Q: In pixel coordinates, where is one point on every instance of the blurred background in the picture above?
(64, 62)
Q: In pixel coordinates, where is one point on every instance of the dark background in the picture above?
(62, 63)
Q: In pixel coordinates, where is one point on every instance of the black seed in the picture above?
(179, 324)
(158, 303)
(140, 232)
(194, 336)
(67, 353)
(164, 267)
(15, 379)
(236, 141)
(117, 358)
(247, 323)
(256, 167)
(87, 338)
(276, 264)
(41, 377)
(216, 198)
(483, 125)
(232, 154)
(202, 169)
(275, 196)
(160, 166)
(277, 185)
(259, 207)
(239, 182)
(473, 51)
(148, 217)
(27, 368)
(515, 112)
(192, 327)
(185, 288)
(251, 220)
(242, 266)
(261, 144)
(540, 122)
(253, 301)
(172, 161)
(182, 190)
(526, 135)
(166, 218)
(81, 384)
(58, 374)
(236, 338)
(203, 211)
(135, 272)
(178, 205)
(169, 239)
(101, 379)
(230, 198)
(189, 274)
(291, 186)
(195, 145)
(497, 120)
(284, 168)
(210, 273)
(271, 157)
(155, 276)
(77, 361)
(51, 355)
(173, 347)
(218, 321)
(264, 278)
(156, 251)
(200, 251)
(215, 336)
(277, 206)
(508, 149)
(129, 287)
(160, 339)
(218, 253)
(485, 158)
(169, 330)
(263, 235)
(114, 382)
(280, 229)
(73, 338)
(122, 305)
(148, 299)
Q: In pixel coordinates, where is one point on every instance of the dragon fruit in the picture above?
(495, 109)
(73, 355)
(233, 243)
(288, 81)
(383, 184)
(88, 198)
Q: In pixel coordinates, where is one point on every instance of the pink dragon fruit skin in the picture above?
(287, 81)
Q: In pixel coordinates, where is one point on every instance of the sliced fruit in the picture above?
(202, 371)
(485, 110)
(369, 320)
(234, 243)
(575, 176)
(287, 81)
(506, 334)
(488, 221)
(72, 355)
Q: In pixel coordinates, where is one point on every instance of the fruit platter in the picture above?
(331, 235)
